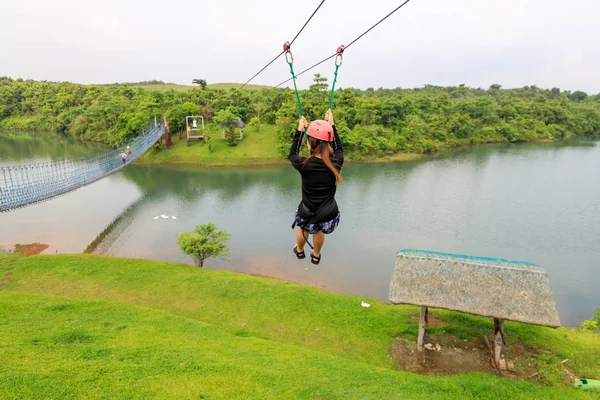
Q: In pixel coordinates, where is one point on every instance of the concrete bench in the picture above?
(501, 289)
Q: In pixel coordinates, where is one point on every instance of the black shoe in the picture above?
(299, 254)
(314, 259)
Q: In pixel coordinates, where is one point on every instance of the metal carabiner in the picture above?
(288, 59)
(287, 50)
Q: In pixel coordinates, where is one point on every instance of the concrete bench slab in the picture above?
(503, 289)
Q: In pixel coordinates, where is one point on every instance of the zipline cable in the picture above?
(307, 69)
(279, 55)
(351, 43)
(255, 75)
(306, 23)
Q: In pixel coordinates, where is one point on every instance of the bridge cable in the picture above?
(279, 55)
(351, 43)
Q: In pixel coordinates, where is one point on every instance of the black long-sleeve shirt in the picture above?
(318, 181)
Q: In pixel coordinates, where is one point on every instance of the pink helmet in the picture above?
(321, 130)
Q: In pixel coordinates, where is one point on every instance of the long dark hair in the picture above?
(325, 151)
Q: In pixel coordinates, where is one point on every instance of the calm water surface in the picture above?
(536, 202)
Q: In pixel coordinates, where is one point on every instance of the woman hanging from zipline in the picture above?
(318, 212)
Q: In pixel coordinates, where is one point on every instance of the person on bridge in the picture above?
(318, 212)
(123, 157)
(128, 151)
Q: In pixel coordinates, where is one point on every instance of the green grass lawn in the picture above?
(256, 148)
(185, 88)
(101, 327)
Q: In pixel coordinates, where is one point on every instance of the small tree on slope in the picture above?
(200, 82)
(204, 242)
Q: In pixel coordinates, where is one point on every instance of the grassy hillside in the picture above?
(185, 88)
(227, 86)
(87, 326)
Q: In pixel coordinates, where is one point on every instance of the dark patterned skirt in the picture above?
(325, 227)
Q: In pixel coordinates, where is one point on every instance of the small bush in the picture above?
(592, 324)
(209, 143)
(230, 136)
(204, 242)
(254, 123)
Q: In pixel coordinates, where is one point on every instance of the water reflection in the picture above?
(530, 202)
(32, 147)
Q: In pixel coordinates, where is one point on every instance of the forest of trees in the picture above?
(371, 122)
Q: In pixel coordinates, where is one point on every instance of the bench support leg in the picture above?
(422, 328)
(498, 339)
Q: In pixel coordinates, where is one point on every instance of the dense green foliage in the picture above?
(204, 242)
(371, 122)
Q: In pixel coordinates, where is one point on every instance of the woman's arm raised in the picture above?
(294, 156)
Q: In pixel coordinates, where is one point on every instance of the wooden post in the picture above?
(422, 327)
(167, 137)
(498, 339)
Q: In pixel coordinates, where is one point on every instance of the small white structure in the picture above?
(194, 128)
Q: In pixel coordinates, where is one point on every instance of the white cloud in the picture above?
(104, 31)
(511, 42)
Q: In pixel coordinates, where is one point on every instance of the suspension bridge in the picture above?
(24, 185)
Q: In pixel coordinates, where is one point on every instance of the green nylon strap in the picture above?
(296, 89)
(333, 87)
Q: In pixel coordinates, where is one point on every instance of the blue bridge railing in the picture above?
(23, 185)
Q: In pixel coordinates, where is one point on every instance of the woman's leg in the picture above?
(300, 239)
(318, 239)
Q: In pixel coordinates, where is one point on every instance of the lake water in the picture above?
(533, 202)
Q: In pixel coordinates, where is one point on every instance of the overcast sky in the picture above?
(549, 43)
